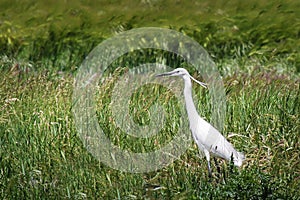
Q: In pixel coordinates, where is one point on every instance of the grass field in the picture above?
(255, 46)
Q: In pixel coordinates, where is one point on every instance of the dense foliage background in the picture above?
(255, 45)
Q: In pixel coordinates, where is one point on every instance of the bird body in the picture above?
(208, 139)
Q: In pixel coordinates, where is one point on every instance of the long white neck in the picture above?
(189, 103)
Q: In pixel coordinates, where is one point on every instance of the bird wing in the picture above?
(213, 141)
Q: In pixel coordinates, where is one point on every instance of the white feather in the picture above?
(208, 139)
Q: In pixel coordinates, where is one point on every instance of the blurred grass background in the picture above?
(255, 45)
(47, 29)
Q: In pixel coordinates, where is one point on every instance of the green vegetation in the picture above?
(255, 46)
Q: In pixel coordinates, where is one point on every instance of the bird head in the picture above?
(182, 73)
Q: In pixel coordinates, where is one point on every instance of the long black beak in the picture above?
(171, 73)
(164, 74)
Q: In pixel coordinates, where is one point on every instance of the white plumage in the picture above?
(208, 139)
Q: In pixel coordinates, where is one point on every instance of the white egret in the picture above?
(208, 139)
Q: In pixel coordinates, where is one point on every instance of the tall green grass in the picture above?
(255, 45)
(64, 32)
(42, 155)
